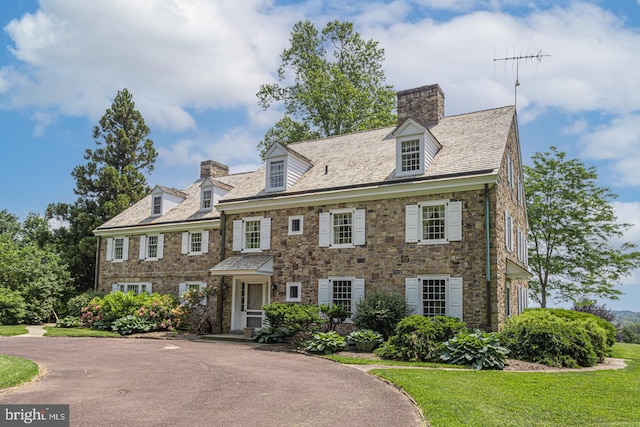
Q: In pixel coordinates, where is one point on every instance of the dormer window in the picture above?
(157, 206)
(276, 175)
(415, 148)
(410, 152)
(207, 198)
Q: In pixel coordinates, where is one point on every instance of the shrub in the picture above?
(271, 335)
(365, 339)
(333, 315)
(77, 303)
(326, 342)
(597, 310)
(422, 338)
(630, 333)
(380, 312)
(388, 349)
(68, 322)
(12, 307)
(556, 339)
(294, 318)
(478, 349)
(608, 327)
(195, 311)
(131, 324)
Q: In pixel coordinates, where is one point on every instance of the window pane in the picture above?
(252, 234)
(410, 155)
(434, 297)
(341, 293)
(342, 228)
(118, 248)
(152, 246)
(206, 199)
(295, 225)
(433, 222)
(157, 205)
(196, 242)
(276, 174)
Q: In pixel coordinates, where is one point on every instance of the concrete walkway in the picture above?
(35, 331)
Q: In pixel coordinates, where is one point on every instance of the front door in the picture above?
(254, 299)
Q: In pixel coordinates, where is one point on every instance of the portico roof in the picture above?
(261, 265)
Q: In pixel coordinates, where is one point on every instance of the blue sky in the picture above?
(194, 67)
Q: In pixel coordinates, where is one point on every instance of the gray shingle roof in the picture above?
(470, 142)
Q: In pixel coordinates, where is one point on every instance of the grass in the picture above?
(10, 330)
(497, 398)
(361, 361)
(78, 332)
(14, 370)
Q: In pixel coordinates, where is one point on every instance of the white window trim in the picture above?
(292, 218)
(122, 287)
(325, 291)
(290, 285)
(186, 242)
(508, 231)
(399, 141)
(183, 287)
(510, 171)
(268, 186)
(454, 294)
(111, 249)
(153, 201)
(144, 247)
(452, 222)
(239, 234)
(358, 224)
(202, 199)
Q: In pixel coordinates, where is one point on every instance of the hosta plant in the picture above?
(131, 324)
(481, 350)
(365, 339)
(326, 342)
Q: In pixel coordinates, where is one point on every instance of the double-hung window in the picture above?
(207, 199)
(151, 247)
(135, 287)
(195, 242)
(342, 228)
(435, 295)
(433, 222)
(276, 175)
(252, 234)
(193, 287)
(345, 291)
(410, 155)
(118, 249)
(156, 208)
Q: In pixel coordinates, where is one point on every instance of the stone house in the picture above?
(432, 208)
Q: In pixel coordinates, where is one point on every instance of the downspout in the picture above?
(97, 269)
(488, 253)
(223, 233)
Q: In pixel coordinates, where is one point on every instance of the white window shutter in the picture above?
(149, 289)
(185, 243)
(454, 221)
(454, 297)
(115, 287)
(323, 230)
(125, 248)
(359, 227)
(506, 229)
(357, 293)
(323, 292)
(182, 288)
(109, 249)
(205, 242)
(237, 235)
(160, 246)
(265, 234)
(412, 294)
(411, 224)
(143, 247)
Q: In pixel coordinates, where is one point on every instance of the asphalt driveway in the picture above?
(139, 382)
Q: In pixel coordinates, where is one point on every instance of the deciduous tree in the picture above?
(572, 231)
(331, 82)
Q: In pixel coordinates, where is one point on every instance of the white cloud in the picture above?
(577, 127)
(629, 213)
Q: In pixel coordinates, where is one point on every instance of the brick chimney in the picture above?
(211, 169)
(423, 104)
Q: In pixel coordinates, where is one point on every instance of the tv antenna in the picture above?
(517, 60)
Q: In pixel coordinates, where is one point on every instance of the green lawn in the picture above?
(10, 330)
(497, 398)
(14, 371)
(361, 361)
(77, 332)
